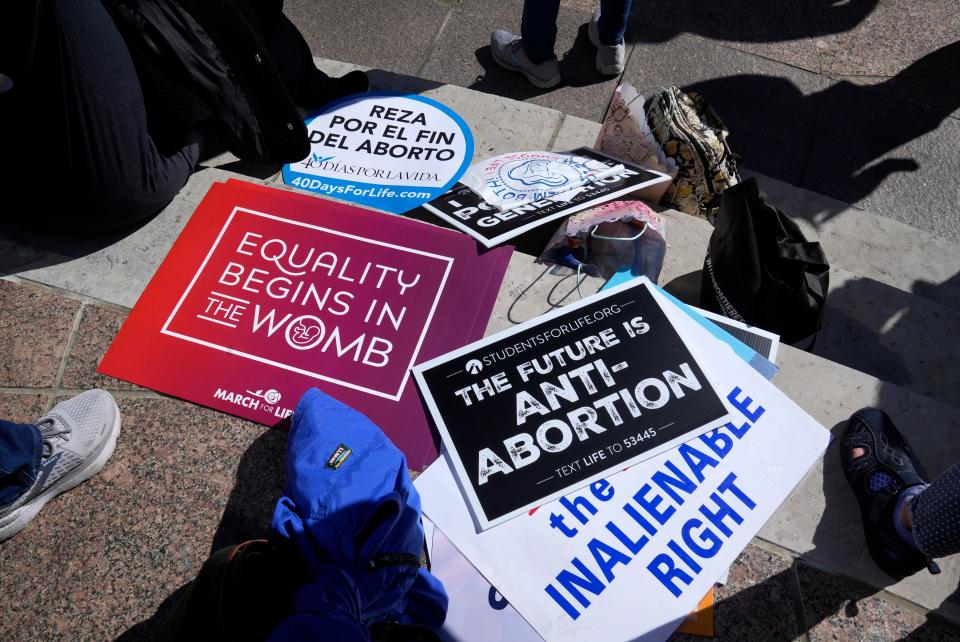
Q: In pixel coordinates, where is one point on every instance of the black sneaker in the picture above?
(886, 453)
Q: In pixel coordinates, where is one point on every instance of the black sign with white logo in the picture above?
(532, 413)
(467, 211)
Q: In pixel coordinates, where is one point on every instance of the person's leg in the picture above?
(77, 437)
(21, 447)
(538, 29)
(934, 515)
(80, 125)
(613, 21)
(531, 53)
(605, 31)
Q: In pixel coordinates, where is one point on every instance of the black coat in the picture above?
(203, 62)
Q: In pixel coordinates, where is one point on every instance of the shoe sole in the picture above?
(611, 70)
(28, 511)
(549, 83)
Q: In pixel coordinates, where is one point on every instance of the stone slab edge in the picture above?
(861, 242)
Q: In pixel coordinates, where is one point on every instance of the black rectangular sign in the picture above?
(534, 412)
(467, 211)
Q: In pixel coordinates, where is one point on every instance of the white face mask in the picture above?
(6, 84)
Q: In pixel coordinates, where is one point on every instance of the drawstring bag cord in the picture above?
(593, 234)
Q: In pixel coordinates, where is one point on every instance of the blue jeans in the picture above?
(539, 26)
(21, 447)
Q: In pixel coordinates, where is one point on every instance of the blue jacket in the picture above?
(351, 510)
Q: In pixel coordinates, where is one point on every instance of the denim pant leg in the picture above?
(613, 21)
(21, 447)
(539, 28)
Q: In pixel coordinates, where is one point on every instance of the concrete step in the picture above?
(819, 521)
(894, 302)
(868, 325)
(115, 269)
(861, 242)
(891, 312)
(865, 243)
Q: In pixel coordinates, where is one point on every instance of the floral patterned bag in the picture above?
(692, 134)
(626, 135)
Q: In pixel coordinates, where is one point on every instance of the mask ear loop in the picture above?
(593, 234)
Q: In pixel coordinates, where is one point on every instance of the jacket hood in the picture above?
(349, 502)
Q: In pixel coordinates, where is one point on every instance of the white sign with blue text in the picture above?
(662, 531)
(384, 150)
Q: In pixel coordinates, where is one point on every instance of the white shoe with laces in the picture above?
(79, 436)
(508, 52)
(610, 58)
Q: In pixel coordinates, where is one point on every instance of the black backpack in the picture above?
(761, 270)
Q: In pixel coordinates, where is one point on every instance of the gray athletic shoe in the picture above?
(610, 58)
(79, 436)
(507, 50)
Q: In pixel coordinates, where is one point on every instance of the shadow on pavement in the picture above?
(148, 629)
(902, 338)
(256, 489)
(23, 247)
(769, 21)
(258, 486)
(853, 127)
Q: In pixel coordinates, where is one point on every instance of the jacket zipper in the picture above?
(393, 559)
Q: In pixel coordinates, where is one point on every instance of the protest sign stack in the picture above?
(500, 198)
(606, 462)
(603, 464)
(267, 293)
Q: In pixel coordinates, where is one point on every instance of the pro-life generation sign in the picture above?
(532, 413)
(628, 557)
(388, 151)
(467, 210)
(267, 293)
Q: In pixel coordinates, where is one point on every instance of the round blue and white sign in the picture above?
(384, 150)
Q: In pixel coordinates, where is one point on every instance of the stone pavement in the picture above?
(106, 560)
(857, 100)
(796, 81)
(186, 480)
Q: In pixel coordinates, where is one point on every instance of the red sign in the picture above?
(267, 293)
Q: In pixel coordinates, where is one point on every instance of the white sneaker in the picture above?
(507, 50)
(610, 58)
(79, 436)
